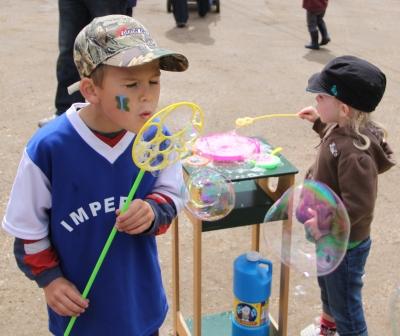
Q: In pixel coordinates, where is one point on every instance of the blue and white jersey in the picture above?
(68, 186)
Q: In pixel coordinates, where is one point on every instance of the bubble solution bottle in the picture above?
(251, 288)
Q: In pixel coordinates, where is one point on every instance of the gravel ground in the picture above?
(249, 60)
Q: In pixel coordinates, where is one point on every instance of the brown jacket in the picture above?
(352, 173)
(315, 6)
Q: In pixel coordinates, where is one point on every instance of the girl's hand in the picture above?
(64, 298)
(309, 113)
(137, 219)
(311, 225)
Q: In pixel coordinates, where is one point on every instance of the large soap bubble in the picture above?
(316, 240)
(208, 195)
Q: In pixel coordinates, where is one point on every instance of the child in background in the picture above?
(315, 20)
(352, 152)
(77, 171)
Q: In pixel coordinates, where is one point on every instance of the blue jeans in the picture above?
(73, 16)
(341, 292)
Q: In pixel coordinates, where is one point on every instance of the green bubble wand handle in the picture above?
(106, 247)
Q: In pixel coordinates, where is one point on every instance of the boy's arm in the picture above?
(38, 260)
(164, 212)
(27, 221)
(165, 198)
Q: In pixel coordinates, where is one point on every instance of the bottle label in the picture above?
(251, 314)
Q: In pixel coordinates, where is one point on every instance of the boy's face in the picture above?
(128, 97)
(328, 108)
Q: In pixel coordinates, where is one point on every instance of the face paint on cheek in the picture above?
(122, 103)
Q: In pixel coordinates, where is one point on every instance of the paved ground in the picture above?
(249, 60)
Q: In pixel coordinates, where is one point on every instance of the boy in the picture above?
(76, 171)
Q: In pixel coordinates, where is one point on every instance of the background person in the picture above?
(315, 20)
(73, 16)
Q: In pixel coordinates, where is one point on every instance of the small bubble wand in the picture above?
(245, 121)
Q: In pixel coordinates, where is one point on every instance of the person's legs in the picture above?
(73, 16)
(326, 323)
(106, 7)
(343, 289)
(313, 30)
(203, 6)
(323, 29)
(181, 12)
(130, 5)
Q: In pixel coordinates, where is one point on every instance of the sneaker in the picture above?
(45, 121)
(311, 330)
(314, 330)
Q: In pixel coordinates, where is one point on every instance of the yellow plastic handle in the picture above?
(245, 121)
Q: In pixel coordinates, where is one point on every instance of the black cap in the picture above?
(352, 80)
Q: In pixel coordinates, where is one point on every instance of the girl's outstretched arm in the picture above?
(309, 113)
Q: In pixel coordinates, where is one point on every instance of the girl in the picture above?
(352, 152)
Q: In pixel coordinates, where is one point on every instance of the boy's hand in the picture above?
(137, 219)
(309, 113)
(64, 298)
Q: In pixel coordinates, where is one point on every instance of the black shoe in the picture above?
(312, 46)
(314, 41)
(181, 24)
(325, 41)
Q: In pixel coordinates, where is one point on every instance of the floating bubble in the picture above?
(395, 312)
(208, 195)
(316, 240)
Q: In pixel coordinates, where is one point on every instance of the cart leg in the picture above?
(197, 278)
(255, 237)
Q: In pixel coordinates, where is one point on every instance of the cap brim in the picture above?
(316, 85)
(169, 60)
(172, 61)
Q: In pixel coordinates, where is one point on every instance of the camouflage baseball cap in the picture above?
(121, 41)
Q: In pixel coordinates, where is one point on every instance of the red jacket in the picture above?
(315, 6)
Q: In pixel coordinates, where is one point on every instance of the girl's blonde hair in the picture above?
(361, 120)
(357, 122)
